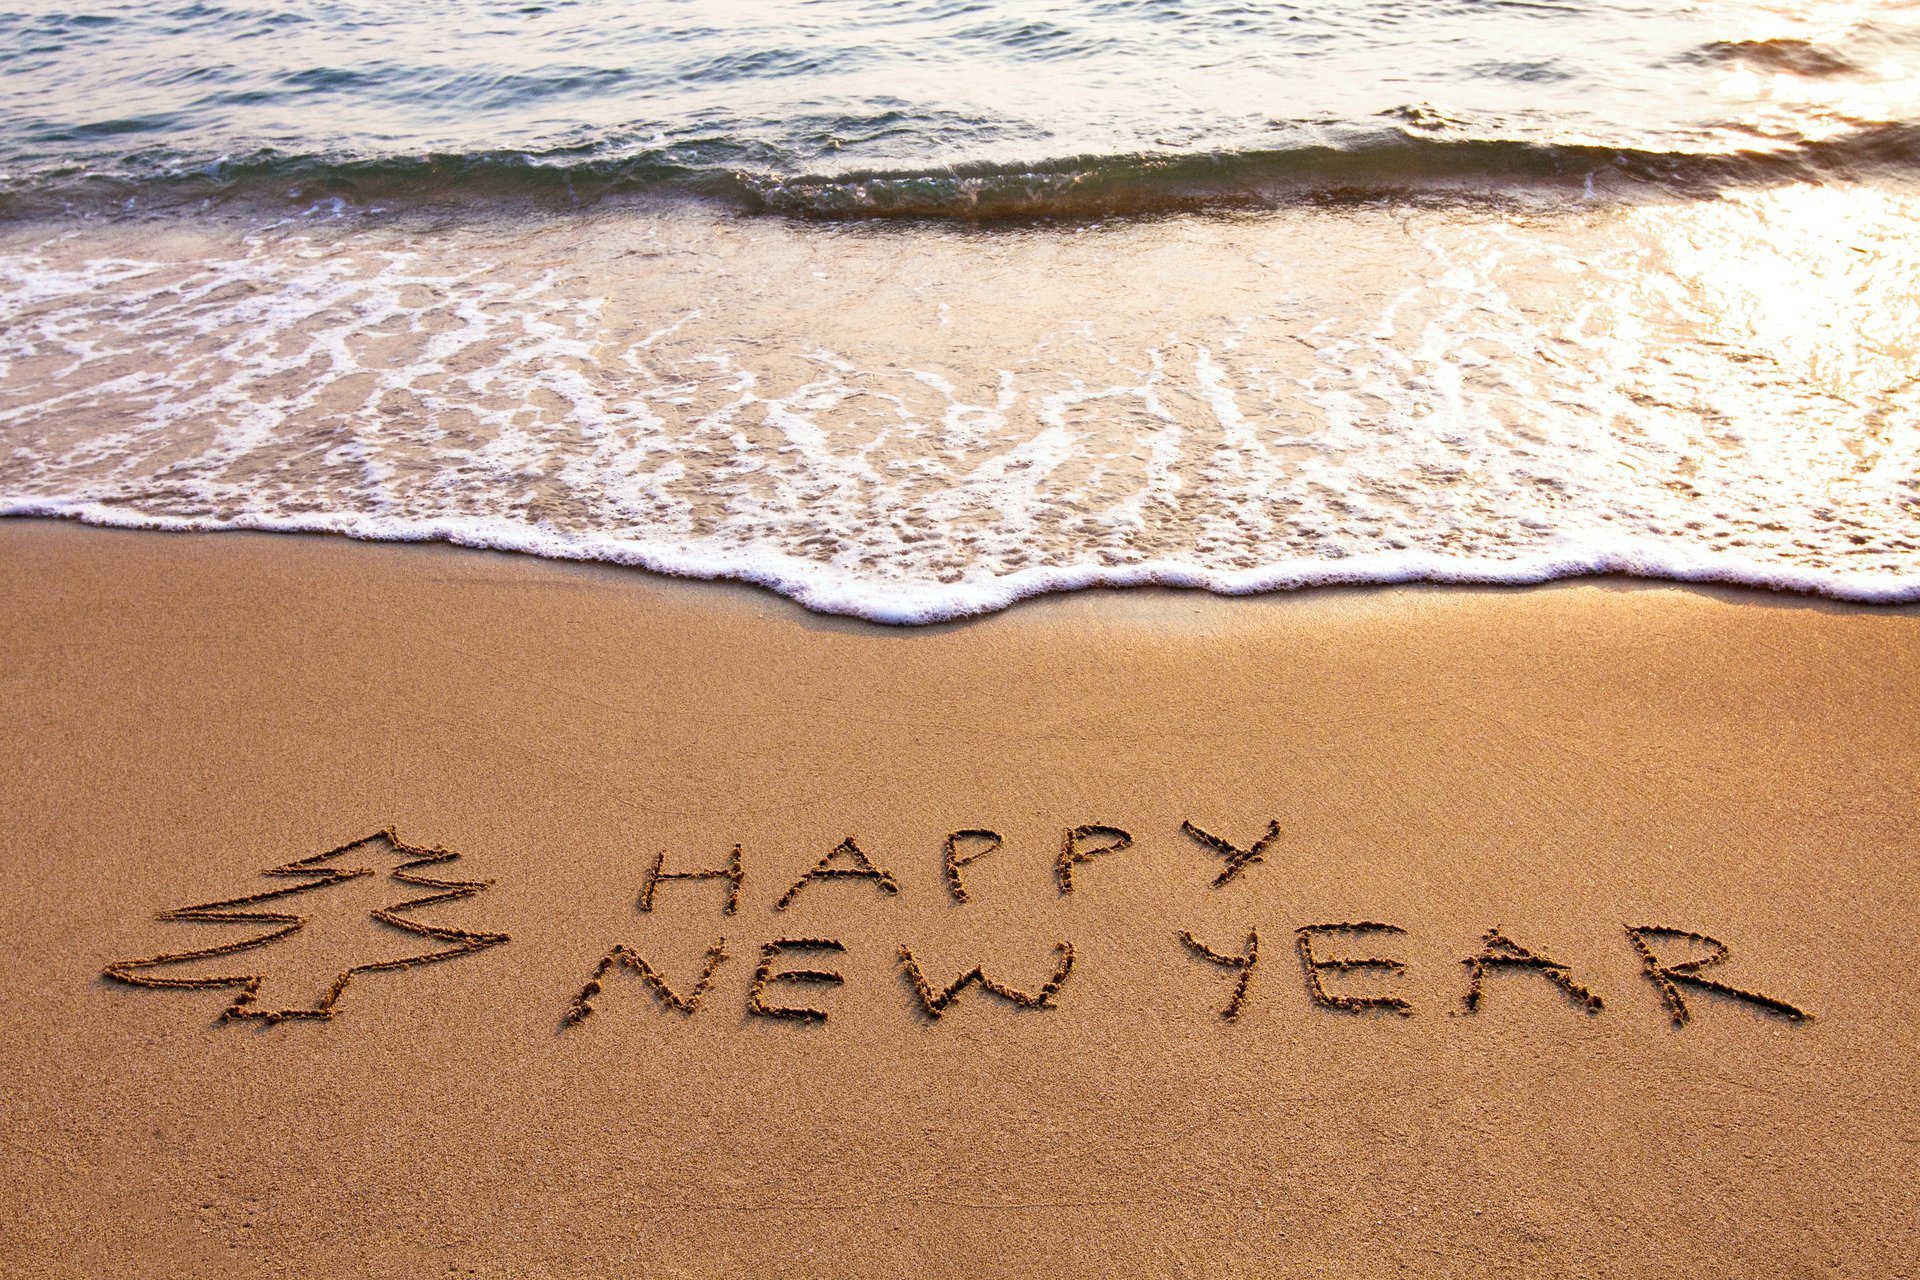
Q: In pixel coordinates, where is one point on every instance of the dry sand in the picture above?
(183, 712)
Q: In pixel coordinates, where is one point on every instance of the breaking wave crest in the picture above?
(1383, 164)
(1398, 162)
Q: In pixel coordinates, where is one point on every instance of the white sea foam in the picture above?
(913, 426)
(828, 589)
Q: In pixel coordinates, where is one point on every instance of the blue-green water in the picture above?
(941, 106)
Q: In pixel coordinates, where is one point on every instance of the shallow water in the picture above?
(939, 106)
(913, 422)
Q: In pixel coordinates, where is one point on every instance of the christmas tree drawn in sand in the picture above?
(282, 910)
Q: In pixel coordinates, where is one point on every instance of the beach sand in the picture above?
(185, 711)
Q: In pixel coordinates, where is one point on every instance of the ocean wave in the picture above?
(1422, 154)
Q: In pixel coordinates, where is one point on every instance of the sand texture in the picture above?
(509, 1063)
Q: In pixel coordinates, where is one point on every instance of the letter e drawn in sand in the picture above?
(765, 976)
(1667, 977)
(627, 957)
(956, 886)
(859, 867)
(1317, 965)
(934, 1001)
(1245, 962)
(1497, 951)
(732, 873)
(314, 875)
(1238, 859)
(1072, 852)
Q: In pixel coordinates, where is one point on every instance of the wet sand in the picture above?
(1560, 763)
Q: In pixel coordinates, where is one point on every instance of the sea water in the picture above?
(909, 310)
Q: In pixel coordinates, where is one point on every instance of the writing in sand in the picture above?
(1341, 961)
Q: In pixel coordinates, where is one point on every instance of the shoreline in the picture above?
(1557, 762)
(818, 590)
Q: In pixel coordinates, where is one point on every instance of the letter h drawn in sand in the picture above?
(314, 873)
(732, 873)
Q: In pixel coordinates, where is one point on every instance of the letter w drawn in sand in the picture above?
(934, 1000)
(320, 871)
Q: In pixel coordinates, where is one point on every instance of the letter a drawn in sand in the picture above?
(320, 871)
(1497, 952)
(858, 867)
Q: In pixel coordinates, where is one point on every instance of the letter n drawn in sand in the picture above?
(934, 1000)
(1316, 965)
(316, 873)
(627, 957)
(1666, 977)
